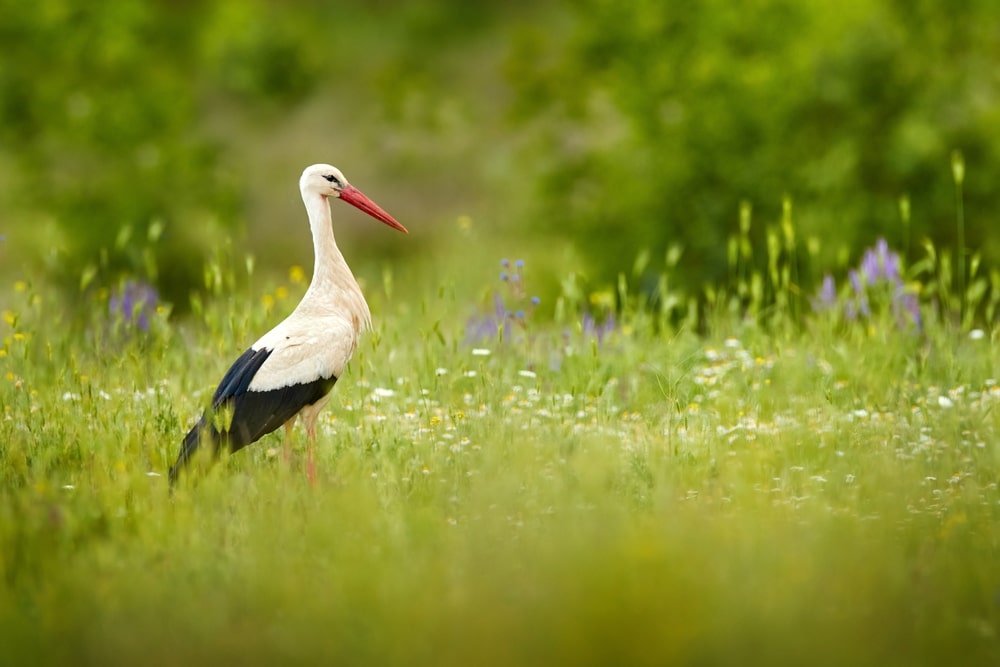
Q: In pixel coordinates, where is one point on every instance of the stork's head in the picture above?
(328, 181)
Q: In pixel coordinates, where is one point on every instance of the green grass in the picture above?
(819, 496)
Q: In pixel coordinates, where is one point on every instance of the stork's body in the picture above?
(291, 369)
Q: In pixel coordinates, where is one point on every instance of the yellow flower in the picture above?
(10, 317)
(281, 293)
(20, 286)
(19, 336)
(296, 275)
(267, 300)
(603, 299)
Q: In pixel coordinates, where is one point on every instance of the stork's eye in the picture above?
(331, 178)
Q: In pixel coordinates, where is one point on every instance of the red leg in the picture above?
(310, 464)
(289, 425)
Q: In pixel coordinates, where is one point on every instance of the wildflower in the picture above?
(135, 302)
(489, 326)
(826, 298)
(599, 331)
(878, 274)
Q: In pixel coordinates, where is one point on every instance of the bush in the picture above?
(665, 116)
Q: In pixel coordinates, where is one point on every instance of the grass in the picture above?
(754, 495)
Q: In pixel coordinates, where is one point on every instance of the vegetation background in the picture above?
(732, 399)
(595, 128)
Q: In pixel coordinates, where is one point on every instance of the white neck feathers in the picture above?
(333, 287)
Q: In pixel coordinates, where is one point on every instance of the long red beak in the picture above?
(357, 199)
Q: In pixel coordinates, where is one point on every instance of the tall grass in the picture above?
(821, 494)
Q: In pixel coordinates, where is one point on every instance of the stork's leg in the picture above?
(310, 414)
(287, 441)
(310, 441)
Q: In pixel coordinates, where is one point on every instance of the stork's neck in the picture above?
(333, 285)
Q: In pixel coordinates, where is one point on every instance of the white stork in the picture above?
(290, 370)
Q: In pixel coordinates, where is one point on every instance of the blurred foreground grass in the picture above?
(821, 496)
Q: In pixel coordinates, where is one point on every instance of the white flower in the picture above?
(480, 352)
(527, 374)
(945, 402)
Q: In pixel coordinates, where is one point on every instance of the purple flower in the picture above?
(878, 278)
(480, 327)
(135, 302)
(855, 278)
(889, 261)
(599, 331)
(860, 304)
(906, 304)
(826, 298)
(880, 263)
(870, 268)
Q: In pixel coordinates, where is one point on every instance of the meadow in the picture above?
(693, 447)
(500, 488)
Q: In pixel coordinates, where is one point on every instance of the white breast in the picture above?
(305, 349)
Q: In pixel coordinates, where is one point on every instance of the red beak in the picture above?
(357, 199)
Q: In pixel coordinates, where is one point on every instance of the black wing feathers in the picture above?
(254, 413)
(237, 379)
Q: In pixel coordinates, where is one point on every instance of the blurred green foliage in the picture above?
(135, 136)
(662, 117)
(99, 115)
(122, 123)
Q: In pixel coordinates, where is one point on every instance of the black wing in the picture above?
(250, 414)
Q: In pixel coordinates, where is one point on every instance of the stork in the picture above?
(291, 369)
